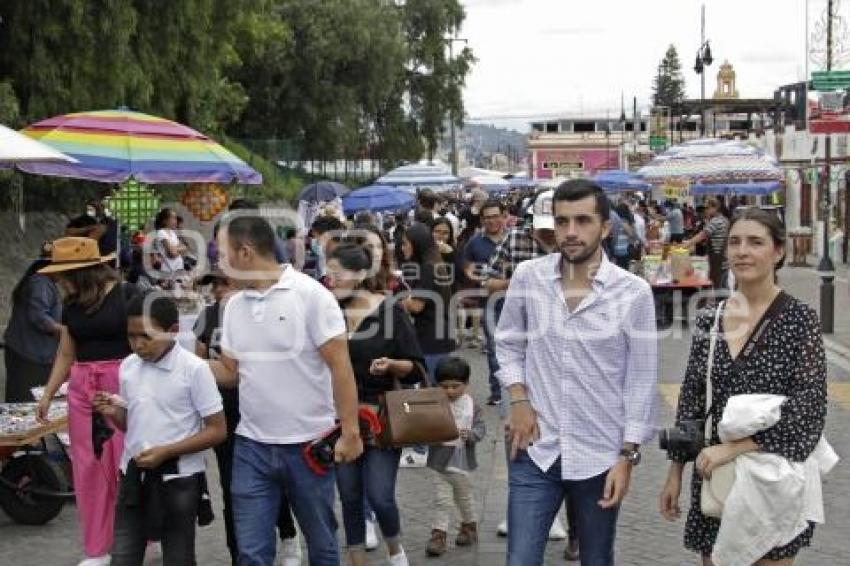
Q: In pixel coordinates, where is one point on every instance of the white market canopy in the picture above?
(18, 148)
(422, 174)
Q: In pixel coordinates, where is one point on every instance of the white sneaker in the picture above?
(371, 535)
(399, 559)
(289, 552)
(97, 561)
(410, 458)
(556, 531)
(502, 529)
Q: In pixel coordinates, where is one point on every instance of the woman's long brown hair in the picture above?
(89, 286)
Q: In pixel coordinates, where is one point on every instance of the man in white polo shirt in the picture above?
(284, 342)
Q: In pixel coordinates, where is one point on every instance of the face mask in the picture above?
(91, 211)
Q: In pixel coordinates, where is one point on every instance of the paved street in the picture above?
(643, 537)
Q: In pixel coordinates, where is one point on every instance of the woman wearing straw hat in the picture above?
(92, 343)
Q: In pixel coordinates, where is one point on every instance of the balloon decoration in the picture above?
(205, 200)
(133, 204)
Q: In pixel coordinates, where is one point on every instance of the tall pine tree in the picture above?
(668, 85)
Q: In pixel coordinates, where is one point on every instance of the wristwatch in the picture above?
(631, 456)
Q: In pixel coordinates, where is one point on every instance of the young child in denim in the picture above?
(453, 462)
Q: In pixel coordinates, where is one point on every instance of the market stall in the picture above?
(677, 278)
(33, 486)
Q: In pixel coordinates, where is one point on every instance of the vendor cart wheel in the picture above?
(26, 472)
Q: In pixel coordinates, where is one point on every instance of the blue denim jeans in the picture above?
(534, 499)
(263, 476)
(490, 321)
(370, 479)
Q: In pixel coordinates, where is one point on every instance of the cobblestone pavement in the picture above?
(643, 537)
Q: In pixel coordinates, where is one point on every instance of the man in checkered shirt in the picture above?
(577, 350)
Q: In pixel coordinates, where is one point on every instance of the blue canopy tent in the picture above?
(620, 181)
(377, 198)
(755, 188)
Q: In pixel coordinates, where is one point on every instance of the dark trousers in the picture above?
(490, 320)
(369, 479)
(224, 459)
(180, 499)
(22, 375)
(534, 498)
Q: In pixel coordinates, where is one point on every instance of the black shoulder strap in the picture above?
(757, 337)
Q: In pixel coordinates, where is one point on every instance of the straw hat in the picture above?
(74, 253)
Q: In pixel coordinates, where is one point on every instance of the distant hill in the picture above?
(478, 142)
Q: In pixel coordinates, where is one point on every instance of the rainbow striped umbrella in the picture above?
(113, 146)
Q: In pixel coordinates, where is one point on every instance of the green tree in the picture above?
(435, 81)
(668, 85)
(64, 55)
(9, 108)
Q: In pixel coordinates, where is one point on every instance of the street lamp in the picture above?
(704, 59)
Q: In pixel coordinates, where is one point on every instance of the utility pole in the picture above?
(451, 42)
(702, 75)
(826, 267)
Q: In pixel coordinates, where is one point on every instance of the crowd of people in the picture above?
(301, 336)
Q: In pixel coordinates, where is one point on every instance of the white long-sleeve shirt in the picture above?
(590, 374)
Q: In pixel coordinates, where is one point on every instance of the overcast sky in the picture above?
(543, 57)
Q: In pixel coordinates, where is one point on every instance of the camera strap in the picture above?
(756, 338)
(712, 343)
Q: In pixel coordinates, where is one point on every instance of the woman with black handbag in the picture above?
(384, 350)
(766, 342)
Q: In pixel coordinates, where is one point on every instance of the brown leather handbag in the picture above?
(416, 416)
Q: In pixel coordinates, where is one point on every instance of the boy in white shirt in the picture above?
(171, 411)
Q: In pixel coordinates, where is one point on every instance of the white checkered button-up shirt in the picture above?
(590, 374)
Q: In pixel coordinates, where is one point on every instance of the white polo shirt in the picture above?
(285, 391)
(166, 403)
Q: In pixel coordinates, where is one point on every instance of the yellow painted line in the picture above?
(839, 393)
(670, 393)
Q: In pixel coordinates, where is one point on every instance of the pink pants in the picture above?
(95, 480)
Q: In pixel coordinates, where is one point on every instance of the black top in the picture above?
(473, 221)
(101, 335)
(385, 332)
(433, 338)
(789, 360)
(207, 329)
(208, 332)
(107, 243)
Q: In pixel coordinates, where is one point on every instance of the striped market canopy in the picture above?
(421, 175)
(112, 146)
(708, 161)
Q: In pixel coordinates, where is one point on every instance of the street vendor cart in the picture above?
(676, 278)
(33, 483)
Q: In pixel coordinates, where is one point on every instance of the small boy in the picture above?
(171, 411)
(453, 461)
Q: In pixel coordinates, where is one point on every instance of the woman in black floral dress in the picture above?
(788, 360)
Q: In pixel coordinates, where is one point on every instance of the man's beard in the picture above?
(585, 256)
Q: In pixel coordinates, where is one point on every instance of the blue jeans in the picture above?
(490, 322)
(263, 476)
(371, 478)
(534, 498)
(431, 361)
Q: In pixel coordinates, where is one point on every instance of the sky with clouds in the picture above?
(549, 57)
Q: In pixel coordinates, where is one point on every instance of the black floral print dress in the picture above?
(790, 361)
